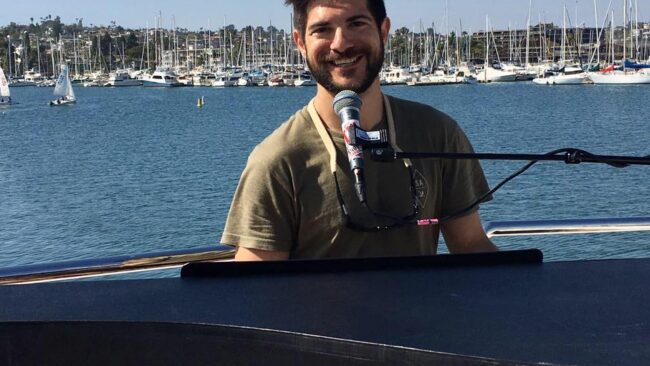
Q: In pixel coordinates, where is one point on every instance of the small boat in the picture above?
(162, 77)
(5, 94)
(122, 78)
(63, 89)
(565, 76)
(304, 79)
(225, 81)
(492, 75)
(275, 80)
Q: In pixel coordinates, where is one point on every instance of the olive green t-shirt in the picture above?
(286, 199)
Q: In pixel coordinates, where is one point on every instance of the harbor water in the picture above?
(134, 170)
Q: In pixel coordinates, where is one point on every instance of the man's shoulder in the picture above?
(420, 114)
(289, 139)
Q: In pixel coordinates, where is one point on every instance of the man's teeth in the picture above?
(345, 61)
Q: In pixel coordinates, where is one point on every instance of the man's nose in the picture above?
(342, 41)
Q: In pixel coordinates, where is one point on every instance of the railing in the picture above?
(59, 271)
(175, 259)
(567, 226)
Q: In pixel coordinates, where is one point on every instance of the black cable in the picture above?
(572, 156)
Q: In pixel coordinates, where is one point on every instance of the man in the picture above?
(296, 198)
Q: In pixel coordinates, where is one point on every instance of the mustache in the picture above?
(342, 56)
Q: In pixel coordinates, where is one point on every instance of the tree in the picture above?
(131, 40)
(57, 27)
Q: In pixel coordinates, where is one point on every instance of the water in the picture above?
(133, 170)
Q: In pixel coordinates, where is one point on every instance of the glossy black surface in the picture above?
(585, 313)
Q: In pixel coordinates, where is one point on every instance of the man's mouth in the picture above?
(343, 62)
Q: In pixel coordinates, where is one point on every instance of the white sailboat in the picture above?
(63, 89)
(610, 76)
(5, 95)
(619, 77)
(489, 73)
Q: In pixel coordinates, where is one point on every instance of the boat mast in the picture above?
(161, 42)
(110, 56)
(253, 63)
(224, 43)
(510, 43)
(76, 61)
(611, 36)
(577, 37)
(624, 32)
(175, 42)
(563, 43)
(155, 39)
(526, 63)
(147, 47)
(209, 45)
(458, 46)
(38, 54)
(9, 53)
(487, 48)
(636, 31)
(54, 71)
(597, 34)
(271, 37)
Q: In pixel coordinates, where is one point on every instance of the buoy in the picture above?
(199, 102)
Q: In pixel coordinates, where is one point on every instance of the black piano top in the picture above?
(583, 312)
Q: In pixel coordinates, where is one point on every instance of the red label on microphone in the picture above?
(349, 128)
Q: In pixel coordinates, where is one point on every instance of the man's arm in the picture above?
(249, 255)
(466, 235)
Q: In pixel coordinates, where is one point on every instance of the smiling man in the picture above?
(296, 195)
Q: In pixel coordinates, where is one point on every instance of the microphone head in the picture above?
(346, 98)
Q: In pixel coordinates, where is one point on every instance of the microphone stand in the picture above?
(569, 156)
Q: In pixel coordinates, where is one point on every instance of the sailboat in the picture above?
(63, 89)
(631, 73)
(5, 95)
(567, 74)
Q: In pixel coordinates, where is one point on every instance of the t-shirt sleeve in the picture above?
(262, 214)
(463, 180)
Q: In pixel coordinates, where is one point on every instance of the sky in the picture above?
(196, 14)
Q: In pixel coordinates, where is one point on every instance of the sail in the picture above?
(69, 92)
(4, 86)
(62, 83)
(633, 65)
(608, 69)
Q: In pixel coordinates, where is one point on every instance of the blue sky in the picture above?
(194, 14)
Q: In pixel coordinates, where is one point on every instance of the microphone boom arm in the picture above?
(568, 155)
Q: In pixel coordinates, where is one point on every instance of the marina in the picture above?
(614, 50)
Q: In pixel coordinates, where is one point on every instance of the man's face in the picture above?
(342, 45)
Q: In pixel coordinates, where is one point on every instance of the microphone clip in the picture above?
(370, 139)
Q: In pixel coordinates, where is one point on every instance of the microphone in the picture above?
(347, 105)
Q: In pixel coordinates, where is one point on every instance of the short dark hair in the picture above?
(376, 8)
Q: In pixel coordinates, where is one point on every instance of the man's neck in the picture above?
(372, 110)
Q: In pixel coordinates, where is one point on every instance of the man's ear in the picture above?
(297, 39)
(385, 29)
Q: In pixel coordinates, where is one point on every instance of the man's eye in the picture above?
(319, 30)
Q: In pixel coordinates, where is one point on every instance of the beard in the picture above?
(374, 63)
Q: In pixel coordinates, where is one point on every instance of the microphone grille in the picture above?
(346, 98)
